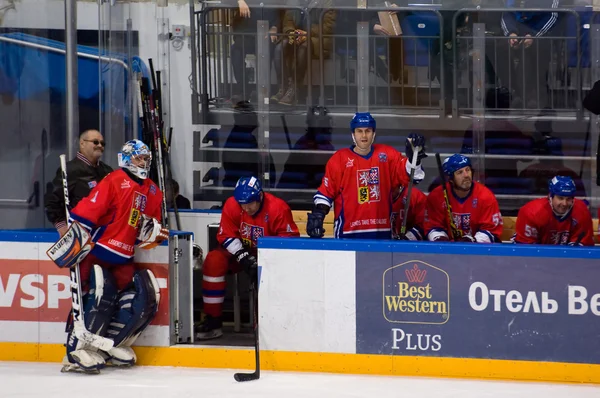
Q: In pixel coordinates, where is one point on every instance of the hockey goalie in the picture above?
(118, 301)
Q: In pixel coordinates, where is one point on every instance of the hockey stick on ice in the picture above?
(456, 233)
(241, 377)
(79, 329)
(413, 166)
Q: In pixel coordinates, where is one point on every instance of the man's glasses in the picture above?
(96, 142)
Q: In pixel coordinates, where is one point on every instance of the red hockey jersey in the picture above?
(112, 212)
(537, 223)
(477, 215)
(416, 214)
(361, 189)
(237, 228)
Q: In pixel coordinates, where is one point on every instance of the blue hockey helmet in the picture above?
(135, 149)
(362, 119)
(247, 190)
(455, 163)
(562, 186)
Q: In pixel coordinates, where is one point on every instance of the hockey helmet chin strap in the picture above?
(557, 214)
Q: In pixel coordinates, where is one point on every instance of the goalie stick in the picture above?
(456, 233)
(79, 329)
(242, 377)
(413, 166)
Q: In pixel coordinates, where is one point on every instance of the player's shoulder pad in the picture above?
(275, 202)
(580, 206)
(482, 192)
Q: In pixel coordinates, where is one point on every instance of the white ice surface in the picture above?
(22, 379)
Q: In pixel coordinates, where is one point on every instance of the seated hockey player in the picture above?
(123, 210)
(363, 181)
(247, 216)
(474, 208)
(415, 225)
(558, 219)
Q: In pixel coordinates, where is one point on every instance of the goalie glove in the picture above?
(151, 233)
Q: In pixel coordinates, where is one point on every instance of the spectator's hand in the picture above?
(273, 32)
(380, 30)
(514, 42)
(528, 42)
(244, 9)
(393, 12)
(301, 36)
(62, 230)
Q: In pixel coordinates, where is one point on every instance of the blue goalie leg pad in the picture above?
(137, 307)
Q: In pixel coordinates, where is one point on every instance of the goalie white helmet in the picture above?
(136, 157)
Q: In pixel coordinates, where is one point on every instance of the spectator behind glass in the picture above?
(244, 26)
(84, 172)
(291, 54)
(181, 201)
(525, 57)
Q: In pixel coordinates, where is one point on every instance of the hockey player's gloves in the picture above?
(467, 238)
(412, 141)
(442, 239)
(247, 261)
(314, 224)
(151, 233)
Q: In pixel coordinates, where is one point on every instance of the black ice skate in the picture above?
(210, 328)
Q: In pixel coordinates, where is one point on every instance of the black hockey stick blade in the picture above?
(242, 377)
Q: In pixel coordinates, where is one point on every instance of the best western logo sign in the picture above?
(416, 292)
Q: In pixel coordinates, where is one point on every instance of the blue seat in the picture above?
(447, 144)
(585, 20)
(212, 174)
(421, 30)
(510, 185)
(509, 146)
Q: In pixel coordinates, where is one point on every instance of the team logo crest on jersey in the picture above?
(463, 222)
(92, 184)
(559, 237)
(368, 185)
(137, 208)
(383, 157)
(250, 234)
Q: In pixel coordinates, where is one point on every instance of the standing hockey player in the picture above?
(247, 216)
(559, 219)
(363, 181)
(415, 225)
(123, 210)
(473, 207)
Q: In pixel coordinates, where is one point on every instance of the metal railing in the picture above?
(512, 88)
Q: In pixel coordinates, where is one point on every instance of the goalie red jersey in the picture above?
(477, 215)
(112, 212)
(274, 218)
(361, 190)
(415, 224)
(537, 223)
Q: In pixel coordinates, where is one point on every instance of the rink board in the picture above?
(326, 307)
(35, 296)
(499, 311)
